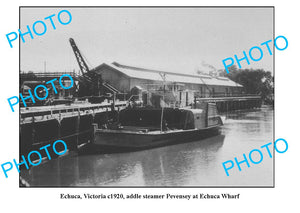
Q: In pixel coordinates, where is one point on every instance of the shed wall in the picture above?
(118, 80)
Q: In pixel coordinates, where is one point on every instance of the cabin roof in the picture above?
(156, 75)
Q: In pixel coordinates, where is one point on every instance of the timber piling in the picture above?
(74, 125)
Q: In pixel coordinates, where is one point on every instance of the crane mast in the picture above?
(90, 81)
(81, 62)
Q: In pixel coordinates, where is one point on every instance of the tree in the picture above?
(254, 81)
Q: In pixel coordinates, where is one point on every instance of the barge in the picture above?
(143, 128)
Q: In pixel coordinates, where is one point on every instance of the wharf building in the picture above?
(175, 89)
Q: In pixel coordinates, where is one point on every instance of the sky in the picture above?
(169, 39)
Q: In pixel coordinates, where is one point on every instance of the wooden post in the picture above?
(75, 146)
(226, 106)
(94, 128)
(114, 100)
(58, 136)
(33, 132)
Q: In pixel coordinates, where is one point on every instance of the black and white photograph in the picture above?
(146, 96)
(149, 106)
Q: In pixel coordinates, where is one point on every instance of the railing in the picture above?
(223, 94)
(45, 74)
(67, 109)
(229, 98)
(41, 77)
(129, 99)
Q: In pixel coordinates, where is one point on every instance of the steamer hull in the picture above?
(128, 140)
(144, 128)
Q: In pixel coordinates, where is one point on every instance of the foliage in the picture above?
(255, 81)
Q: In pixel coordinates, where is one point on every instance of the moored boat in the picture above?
(142, 128)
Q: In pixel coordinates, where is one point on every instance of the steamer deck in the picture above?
(142, 128)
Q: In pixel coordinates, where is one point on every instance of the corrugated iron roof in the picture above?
(155, 75)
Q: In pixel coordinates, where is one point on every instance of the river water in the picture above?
(196, 163)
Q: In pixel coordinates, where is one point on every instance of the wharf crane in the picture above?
(89, 81)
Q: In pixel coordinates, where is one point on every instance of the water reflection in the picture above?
(197, 163)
